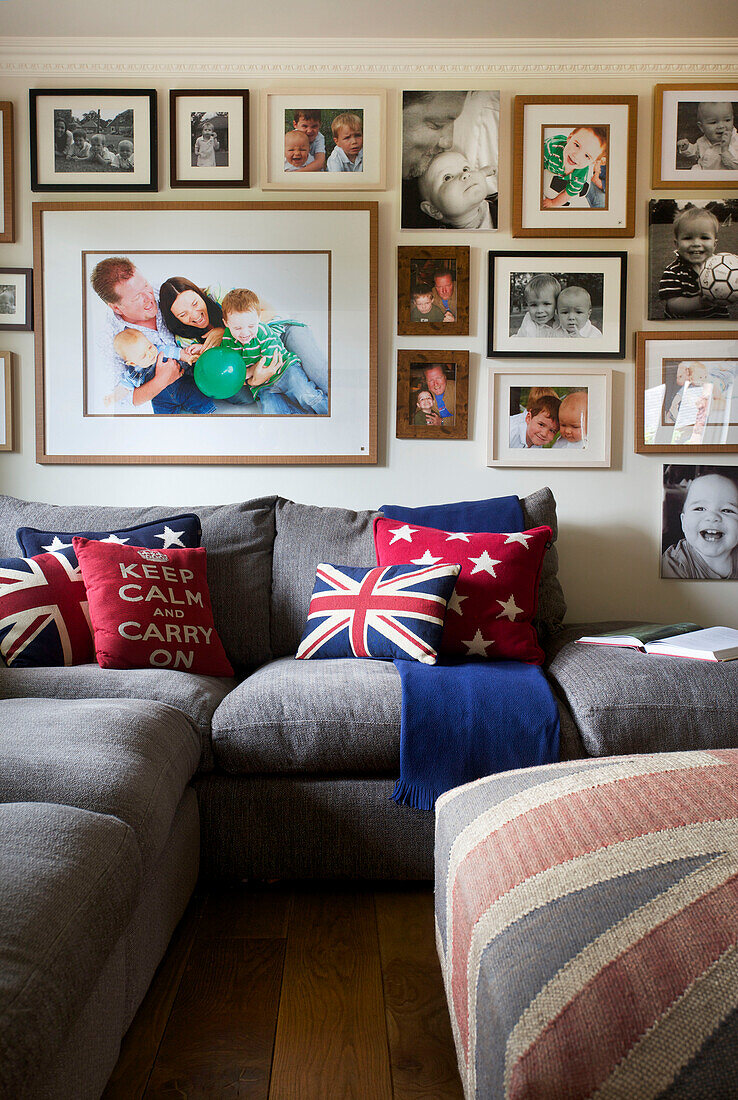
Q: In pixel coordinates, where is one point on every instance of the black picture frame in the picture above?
(175, 136)
(19, 275)
(612, 304)
(103, 181)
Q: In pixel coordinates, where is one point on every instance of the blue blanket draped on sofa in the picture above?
(465, 719)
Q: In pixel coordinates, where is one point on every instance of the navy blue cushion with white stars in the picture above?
(178, 531)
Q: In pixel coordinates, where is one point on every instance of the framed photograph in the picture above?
(699, 525)
(556, 304)
(150, 351)
(693, 259)
(16, 299)
(209, 138)
(93, 140)
(433, 291)
(6, 401)
(7, 179)
(574, 166)
(450, 159)
(686, 392)
(549, 417)
(695, 142)
(432, 394)
(324, 141)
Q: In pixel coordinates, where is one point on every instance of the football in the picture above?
(719, 277)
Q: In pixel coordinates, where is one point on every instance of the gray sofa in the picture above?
(118, 788)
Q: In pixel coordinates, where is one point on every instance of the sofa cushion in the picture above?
(196, 696)
(312, 717)
(43, 612)
(237, 537)
(181, 530)
(69, 883)
(131, 760)
(627, 701)
(539, 510)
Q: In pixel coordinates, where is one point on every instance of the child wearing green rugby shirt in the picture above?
(568, 165)
(270, 367)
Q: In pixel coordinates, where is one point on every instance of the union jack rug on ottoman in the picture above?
(587, 927)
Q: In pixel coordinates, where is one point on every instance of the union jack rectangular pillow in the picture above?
(44, 618)
(386, 612)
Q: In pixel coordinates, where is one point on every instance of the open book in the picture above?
(715, 643)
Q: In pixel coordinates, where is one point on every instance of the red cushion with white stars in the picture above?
(490, 612)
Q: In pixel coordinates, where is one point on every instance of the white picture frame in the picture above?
(595, 381)
(276, 111)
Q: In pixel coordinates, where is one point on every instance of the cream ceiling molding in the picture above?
(304, 57)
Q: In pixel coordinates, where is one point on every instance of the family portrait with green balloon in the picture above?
(229, 333)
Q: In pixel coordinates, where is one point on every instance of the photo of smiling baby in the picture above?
(700, 523)
(548, 305)
(574, 167)
(549, 417)
(323, 140)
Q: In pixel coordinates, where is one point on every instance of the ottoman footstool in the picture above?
(587, 927)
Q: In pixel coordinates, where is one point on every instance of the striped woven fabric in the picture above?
(587, 927)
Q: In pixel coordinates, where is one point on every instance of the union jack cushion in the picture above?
(44, 618)
(395, 611)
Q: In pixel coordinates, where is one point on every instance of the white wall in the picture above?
(609, 519)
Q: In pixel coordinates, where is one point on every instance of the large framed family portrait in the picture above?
(313, 140)
(574, 166)
(686, 392)
(557, 304)
(695, 142)
(254, 344)
(93, 140)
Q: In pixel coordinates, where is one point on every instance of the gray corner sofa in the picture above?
(118, 788)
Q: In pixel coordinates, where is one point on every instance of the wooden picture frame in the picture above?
(16, 299)
(686, 392)
(7, 174)
(675, 120)
(411, 366)
(543, 202)
(370, 105)
(124, 160)
(602, 276)
(189, 167)
(7, 442)
(313, 264)
(589, 422)
(451, 266)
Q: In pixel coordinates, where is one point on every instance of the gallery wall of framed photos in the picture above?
(436, 318)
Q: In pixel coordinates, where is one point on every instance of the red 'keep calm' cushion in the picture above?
(490, 612)
(150, 608)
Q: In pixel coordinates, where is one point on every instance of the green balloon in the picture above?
(219, 372)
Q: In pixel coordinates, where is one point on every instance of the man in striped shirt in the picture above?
(695, 236)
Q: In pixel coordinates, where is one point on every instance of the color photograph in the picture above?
(574, 167)
(699, 533)
(432, 394)
(433, 291)
(549, 417)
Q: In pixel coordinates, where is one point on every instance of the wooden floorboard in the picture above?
(418, 1027)
(331, 1039)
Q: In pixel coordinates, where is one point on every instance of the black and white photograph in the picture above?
(450, 159)
(574, 301)
(693, 259)
(208, 138)
(16, 299)
(93, 140)
(699, 527)
(695, 135)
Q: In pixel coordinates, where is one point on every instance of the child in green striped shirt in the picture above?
(270, 367)
(569, 162)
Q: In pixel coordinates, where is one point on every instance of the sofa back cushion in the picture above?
(307, 535)
(238, 538)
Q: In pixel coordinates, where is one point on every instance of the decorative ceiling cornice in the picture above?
(368, 58)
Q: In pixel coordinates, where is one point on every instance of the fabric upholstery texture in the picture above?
(312, 717)
(132, 760)
(182, 530)
(539, 510)
(238, 538)
(626, 701)
(565, 896)
(196, 696)
(43, 612)
(69, 882)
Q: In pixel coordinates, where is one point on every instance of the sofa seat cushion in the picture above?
(196, 696)
(338, 717)
(587, 918)
(626, 701)
(130, 759)
(69, 883)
